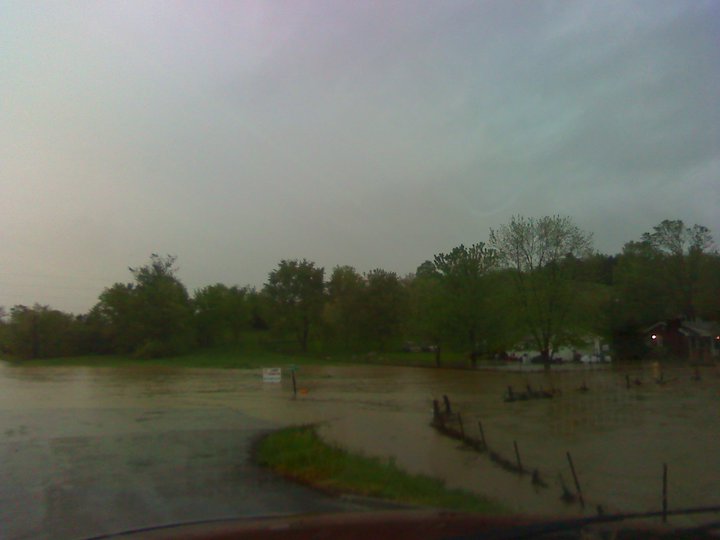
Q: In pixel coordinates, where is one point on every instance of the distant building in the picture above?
(696, 340)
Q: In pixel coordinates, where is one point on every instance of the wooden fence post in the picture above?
(517, 456)
(664, 494)
(482, 434)
(577, 483)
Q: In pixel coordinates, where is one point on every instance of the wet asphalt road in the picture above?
(78, 473)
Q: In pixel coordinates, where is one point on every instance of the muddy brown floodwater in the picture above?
(619, 437)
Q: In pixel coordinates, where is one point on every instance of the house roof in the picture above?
(700, 328)
(660, 324)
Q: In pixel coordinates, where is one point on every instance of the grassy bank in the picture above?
(257, 349)
(299, 454)
(249, 357)
(217, 359)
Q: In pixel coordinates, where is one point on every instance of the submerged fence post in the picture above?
(566, 495)
(517, 456)
(664, 494)
(294, 384)
(482, 434)
(448, 409)
(462, 429)
(575, 478)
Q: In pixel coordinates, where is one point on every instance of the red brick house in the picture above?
(696, 340)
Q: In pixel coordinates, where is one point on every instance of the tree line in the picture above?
(535, 280)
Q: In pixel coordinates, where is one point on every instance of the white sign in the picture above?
(272, 374)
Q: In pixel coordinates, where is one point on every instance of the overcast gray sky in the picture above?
(375, 134)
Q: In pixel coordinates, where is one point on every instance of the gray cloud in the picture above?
(364, 133)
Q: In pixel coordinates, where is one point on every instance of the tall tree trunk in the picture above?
(545, 355)
(305, 333)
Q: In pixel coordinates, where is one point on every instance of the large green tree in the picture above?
(342, 311)
(463, 276)
(116, 310)
(428, 306)
(221, 314)
(681, 249)
(661, 276)
(640, 280)
(539, 251)
(40, 332)
(670, 272)
(295, 290)
(383, 308)
(152, 316)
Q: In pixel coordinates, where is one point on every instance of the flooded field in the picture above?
(619, 437)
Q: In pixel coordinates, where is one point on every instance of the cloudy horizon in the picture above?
(374, 134)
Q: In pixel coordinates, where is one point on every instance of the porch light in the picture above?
(655, 336)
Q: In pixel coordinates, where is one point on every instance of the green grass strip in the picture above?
(236, 358)
(216, 359)
(298, 453)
